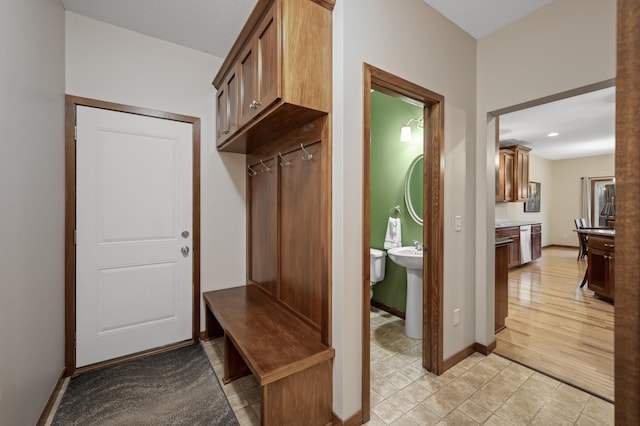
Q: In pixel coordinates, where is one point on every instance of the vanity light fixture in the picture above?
(553, 134)
(405, 132)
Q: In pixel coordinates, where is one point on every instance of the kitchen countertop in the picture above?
(514, 223)
(603, 232)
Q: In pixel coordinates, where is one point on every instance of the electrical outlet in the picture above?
(456, 316)
(458, 225)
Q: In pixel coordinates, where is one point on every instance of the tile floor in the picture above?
(488, 390)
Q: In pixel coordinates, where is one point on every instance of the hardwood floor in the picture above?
(558, 328)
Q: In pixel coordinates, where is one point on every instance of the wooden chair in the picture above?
(582, 238)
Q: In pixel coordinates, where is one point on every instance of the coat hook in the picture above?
(284, 162)
(251, 171)
(265, 167)
(309, 156)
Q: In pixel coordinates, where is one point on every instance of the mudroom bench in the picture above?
(285, 355)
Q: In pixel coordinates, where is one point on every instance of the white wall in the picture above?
(567, 195)
(110, 63)
(32, 207)
(540, 170)
(418, 44)
(565, 45)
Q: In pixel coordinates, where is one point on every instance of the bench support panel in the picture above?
(303, 398)
(213, 328)
(234, 365)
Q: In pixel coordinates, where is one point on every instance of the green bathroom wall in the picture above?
(390, 160)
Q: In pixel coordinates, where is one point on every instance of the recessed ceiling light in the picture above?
(552, 134)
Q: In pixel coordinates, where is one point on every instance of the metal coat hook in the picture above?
(251, 171)
(265, 167)
(284, 162)
(309, 156)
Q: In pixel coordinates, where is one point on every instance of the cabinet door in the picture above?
(536, 245)
(267, 61)
(522, 175)
(221, 115)
(508, 176)
(227, 108)
(514, 252)
(598, 275)
(247, 82)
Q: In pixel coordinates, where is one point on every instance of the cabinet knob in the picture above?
(254, 104)
(225, 132)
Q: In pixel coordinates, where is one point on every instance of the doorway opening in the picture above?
(549, 312)
(432, 105)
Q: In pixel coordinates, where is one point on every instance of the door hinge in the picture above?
(74, 342)
(75, 133)
(75, 236)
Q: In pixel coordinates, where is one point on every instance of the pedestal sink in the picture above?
(411, 259)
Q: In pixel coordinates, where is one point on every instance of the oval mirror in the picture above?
(413, 189)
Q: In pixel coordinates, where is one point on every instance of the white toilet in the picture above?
(376, 268)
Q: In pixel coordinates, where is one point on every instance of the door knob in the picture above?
(185, 234)
(185, 251)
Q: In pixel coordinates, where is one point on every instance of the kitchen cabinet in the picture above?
(521, 174)
(275, 78)
(227, 107)
(536, 241)
(513, 174)
(601, 266)
(514, 249)
(505, 176)
(502, 282)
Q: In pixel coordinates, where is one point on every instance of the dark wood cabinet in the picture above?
(279, 66)
(502, 283)
(521, 174)
(514, 248)
(513, 174)
(505, 176)
(227, 107)
(536, 241)
(601, 266)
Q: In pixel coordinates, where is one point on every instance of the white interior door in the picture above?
(133, 227)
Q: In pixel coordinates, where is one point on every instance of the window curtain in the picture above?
(585, 208)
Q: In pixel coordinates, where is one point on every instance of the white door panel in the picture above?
(133, 201)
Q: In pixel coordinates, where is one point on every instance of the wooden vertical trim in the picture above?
(627, 312)
(366, 244)
(71, 103)
(432, 342)
(195, 189)
(327, 227)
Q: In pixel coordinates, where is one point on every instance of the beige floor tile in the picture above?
(600, 410)
(457, 418)
(557, 412)
(375, 421)
(496, 421)
(514, 415)
(443, 402)
(238, 401)
(415, 392)
(475, 411)
(422, 415)
(528, 401)
(499, 387)
(387, 411)
(247, 417)
(488, 401)
(585, 420)
(404, 421)
(384, 387)
(399, 380)
(571, 396)
(540, 387)
(517, 372)
(375, 397)
(403, 401)
(433, 383)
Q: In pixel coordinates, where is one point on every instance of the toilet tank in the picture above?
(376, 265)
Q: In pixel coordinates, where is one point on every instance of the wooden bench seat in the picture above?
(286, 356)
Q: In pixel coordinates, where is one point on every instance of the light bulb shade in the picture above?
(405, 134)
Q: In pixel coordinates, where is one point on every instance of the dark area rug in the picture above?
(177, 387)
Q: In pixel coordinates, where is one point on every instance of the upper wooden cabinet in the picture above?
(513, 174)
(280, 70)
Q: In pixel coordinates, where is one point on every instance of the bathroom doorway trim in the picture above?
(432, 230)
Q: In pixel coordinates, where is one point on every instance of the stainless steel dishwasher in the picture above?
(525, 244)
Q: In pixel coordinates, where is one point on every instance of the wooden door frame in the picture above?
(627, 311)
(433, 227)
(71, 102)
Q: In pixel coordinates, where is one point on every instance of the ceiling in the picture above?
(585, 125)
(212, 26)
